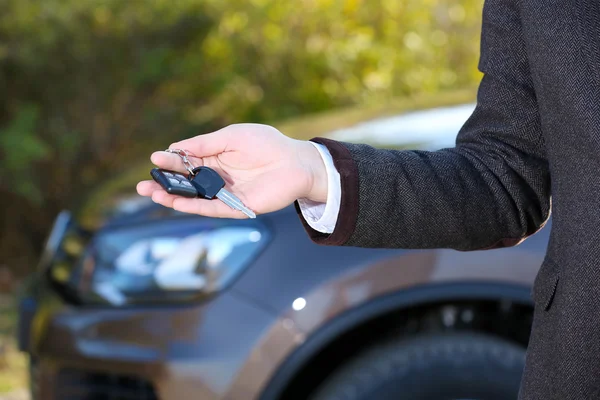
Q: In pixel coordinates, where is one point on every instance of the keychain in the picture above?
(201, 182)
(184, 154)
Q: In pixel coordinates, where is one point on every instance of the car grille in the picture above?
(80, 385)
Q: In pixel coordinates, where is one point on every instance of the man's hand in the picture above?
(265, 169)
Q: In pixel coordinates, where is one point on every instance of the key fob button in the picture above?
(174, 183)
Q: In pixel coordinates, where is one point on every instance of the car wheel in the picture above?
(456, 366)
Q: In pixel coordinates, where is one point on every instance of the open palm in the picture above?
(264, 168)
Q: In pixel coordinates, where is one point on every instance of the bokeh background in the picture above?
(89, 88)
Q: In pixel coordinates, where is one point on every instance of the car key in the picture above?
(174, 183)
(209, 185)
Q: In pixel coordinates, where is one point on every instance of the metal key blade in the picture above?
(235, 203)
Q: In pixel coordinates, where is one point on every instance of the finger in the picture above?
(170, 161)
(163, 198)
(146, 188)
(209, 208)
(206, 145)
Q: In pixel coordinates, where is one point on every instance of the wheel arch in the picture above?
(403, 300)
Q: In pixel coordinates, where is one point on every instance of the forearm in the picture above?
(452, 198)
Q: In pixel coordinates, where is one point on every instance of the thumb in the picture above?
(205, 145)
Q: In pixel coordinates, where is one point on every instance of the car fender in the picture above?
(418, 269)
(327, 334)
(374, 288)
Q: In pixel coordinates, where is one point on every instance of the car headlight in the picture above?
(164, 261)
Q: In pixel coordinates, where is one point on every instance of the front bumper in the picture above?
(202, 351)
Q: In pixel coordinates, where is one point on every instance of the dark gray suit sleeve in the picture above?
(491, 190)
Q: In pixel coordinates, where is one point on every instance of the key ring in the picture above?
(184, 154)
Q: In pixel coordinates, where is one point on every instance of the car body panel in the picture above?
(333, 279)
(185, 351)
(405, 272)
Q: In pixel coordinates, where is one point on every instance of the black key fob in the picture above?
(174, 183)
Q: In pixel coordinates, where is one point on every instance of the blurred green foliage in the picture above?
(89, 86)
(13, 364)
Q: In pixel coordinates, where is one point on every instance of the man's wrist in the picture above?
(317, 174)
(323, 216)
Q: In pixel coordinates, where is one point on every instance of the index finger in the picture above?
(170, 161)
(205, 145)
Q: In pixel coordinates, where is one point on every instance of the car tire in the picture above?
(434, 367)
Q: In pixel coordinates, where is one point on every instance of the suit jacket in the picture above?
(532, 142)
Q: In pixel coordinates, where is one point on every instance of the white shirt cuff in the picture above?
(322, 217)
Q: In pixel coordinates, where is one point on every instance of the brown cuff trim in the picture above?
(502, 243)
(346, 166)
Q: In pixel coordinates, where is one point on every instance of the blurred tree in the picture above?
(88, 86)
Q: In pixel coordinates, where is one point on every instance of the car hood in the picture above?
(430, 129)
